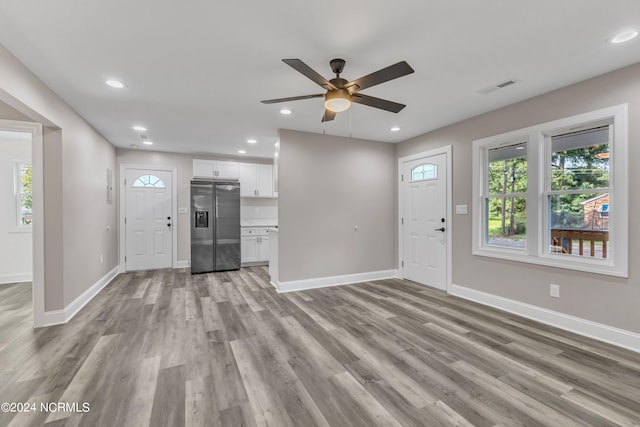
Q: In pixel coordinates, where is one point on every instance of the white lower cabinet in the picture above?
(255, 245)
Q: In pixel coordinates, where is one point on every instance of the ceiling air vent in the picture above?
(497, 86)
(144, 137)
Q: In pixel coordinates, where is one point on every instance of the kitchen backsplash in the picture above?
(252, 209)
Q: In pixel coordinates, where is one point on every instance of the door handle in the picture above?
(440, 229)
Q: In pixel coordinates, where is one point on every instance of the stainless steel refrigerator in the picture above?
(215, 226)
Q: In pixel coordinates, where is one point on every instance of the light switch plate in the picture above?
(183, 211)
(461, 209)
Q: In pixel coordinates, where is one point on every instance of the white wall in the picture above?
(184, 165)
(15, 247)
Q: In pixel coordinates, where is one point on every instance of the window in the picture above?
(578, 191)
(151, 181)
(22, 200)
(556, 193)
(424, 172)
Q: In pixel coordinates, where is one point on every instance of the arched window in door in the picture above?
(149, 181)
(424, 172)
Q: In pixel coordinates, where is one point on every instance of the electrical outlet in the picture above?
(101, 258)
(554, 290)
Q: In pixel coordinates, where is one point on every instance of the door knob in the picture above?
(440, 229)
(169, 225)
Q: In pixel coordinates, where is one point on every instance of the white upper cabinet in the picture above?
(215, 169)
(256, 180)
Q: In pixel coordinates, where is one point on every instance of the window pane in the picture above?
(149, 181)
(424, 172)
(506, 222)
(579, 224)
(26, 203)
(508, 169)
(580, 160)
(25, 178)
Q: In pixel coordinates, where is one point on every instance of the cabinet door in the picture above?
(227, 170)
(263, 248)
(249, 249)
(265, 180)
(203, 168)
(248, 178)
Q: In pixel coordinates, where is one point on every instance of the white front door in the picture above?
(424, 216)
(148, 219)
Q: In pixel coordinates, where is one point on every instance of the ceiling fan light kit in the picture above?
(338, 100)
(340, 93)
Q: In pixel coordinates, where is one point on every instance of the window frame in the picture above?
(15, 205)
(539, 150)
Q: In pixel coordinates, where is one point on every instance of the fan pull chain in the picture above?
(350, 127)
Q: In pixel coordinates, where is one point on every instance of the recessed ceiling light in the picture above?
(115, 84)
(242, 152)
(140, 128)
(395, 129)
(252, 141)
(285, 111)
(624, 36)
(147, 142)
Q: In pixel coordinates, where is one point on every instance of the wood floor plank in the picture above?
(169, 398)
(164, 347)
(374, 410)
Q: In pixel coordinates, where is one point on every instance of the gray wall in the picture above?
(328, 185)
(76, 212)
(184, 165)
(603, 299)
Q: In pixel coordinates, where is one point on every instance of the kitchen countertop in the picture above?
(259, 223)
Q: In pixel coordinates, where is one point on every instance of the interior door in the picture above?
(424, 216)
(148, 219)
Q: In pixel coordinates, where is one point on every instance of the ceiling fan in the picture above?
(341, 93)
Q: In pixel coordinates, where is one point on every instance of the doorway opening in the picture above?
(21, 221)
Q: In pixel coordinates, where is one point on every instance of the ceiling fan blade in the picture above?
(328, 115)
(309, 72)
(384, 75)
(292, 98)
(372, 101)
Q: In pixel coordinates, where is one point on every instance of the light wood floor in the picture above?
(164, 348)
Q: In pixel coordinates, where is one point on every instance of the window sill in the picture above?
(26, 229)
(587, 265)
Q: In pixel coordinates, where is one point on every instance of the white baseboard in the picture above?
(16, 278)
(57, 317)
(609, 334)
(185, 263)
(325, 282)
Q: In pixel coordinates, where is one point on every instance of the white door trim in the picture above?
(441, 150)
(37, 229)
(174, 209)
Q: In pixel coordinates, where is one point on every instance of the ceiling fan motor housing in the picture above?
(337, 65)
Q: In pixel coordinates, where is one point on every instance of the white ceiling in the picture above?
(196, 70)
